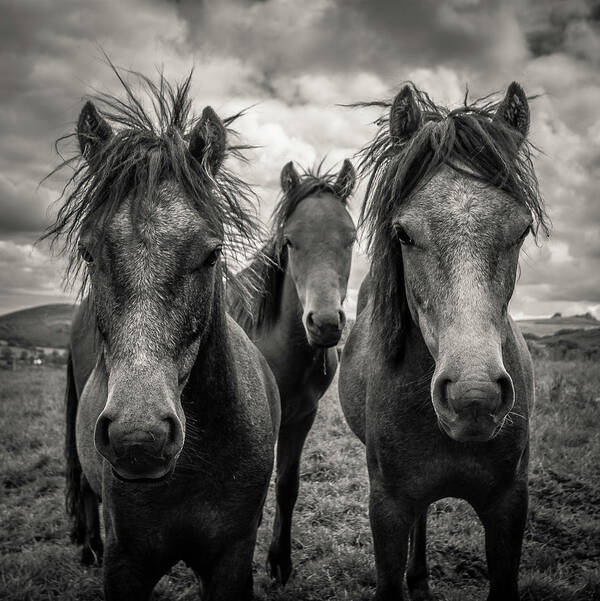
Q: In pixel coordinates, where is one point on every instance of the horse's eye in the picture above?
(287, 242)
(213, 257)
(402, 235)
(85, 254)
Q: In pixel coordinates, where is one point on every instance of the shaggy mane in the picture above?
(149, 146)
(468, 140)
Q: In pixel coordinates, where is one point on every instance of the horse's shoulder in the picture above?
(252, 369)
(83, 343)
(245, 350)
(523, 359)
(363, 293)
(354, 363)
(357, 344)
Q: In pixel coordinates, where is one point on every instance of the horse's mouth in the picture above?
(323, 342)
(469, 433)
(143, 480)
(322, 346)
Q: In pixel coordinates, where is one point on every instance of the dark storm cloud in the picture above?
(22, 211)
(49, 60)
(551, 25)
(374, 35)
(297, 60)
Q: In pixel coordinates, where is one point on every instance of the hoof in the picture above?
(421, 592)
(280, 568)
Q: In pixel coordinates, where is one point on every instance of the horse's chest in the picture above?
(301, 384)
(200, 510)
(408, 451)
(215, 494)
(426, 475)
(209, 522)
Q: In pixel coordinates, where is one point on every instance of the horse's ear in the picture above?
(514, 109)
(405, 115)
(289, 178)
(93, 131)
(344, 184)
(208, 140)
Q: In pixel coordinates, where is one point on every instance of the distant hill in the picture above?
(44, 326)
(558, 337)
(567, 344)
(546, 326)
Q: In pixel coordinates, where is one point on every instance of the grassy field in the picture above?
(332, 541)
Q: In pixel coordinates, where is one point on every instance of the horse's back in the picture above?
(353, 377)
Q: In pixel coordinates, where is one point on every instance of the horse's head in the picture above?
(466, 203)
(318, 237)
(151, 239)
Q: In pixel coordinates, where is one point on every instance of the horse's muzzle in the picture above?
(473, 411)
(325, 330)
(139, 454)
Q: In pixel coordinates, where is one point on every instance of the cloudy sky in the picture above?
(295, 61)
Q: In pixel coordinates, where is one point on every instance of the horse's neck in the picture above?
(416, 360)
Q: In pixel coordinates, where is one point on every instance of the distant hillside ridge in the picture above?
(567, 344)
(44, 326)
(585, 316)
(546, 326)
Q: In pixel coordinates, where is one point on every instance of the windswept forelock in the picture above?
(467, 138)
(152, 125)
(312, 181)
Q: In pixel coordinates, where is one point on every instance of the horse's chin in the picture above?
(156, 477)
(323, 343)
(466, 431)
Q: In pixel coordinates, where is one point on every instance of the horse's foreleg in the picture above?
(391, 522)
(92, 546)
(128, 577)
(289, 449)
(417, 573)
(229, 577)
(504, 522)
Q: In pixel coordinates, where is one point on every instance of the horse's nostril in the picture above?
(507, 393)
(174, 434)
(325, 321)
(102, 432)
(440, 391)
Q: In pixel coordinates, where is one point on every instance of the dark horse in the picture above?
(435, 378)
(295, 317)
(172, 413)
